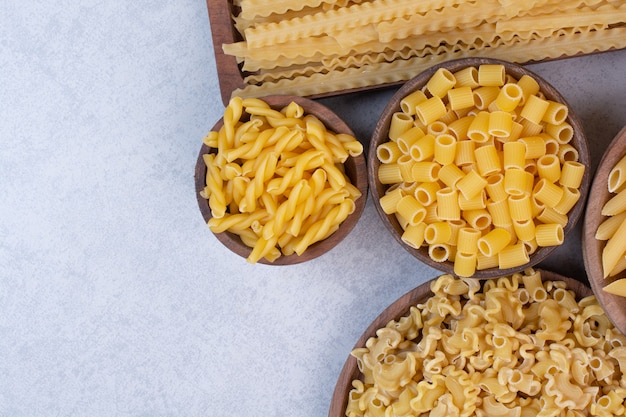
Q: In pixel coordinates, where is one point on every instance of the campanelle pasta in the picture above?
(496, 167)
(518, 346)
(276, 180)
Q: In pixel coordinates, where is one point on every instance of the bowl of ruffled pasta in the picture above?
(604, 231)
(478, 167)
(280, 179)
(530, 343)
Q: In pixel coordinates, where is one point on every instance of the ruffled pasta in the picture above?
(493, 351)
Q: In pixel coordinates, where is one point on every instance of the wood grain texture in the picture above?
(380, 135)
(355, 170)
(395, 311)
(614, 306)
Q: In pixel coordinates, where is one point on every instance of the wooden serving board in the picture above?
(229, 73)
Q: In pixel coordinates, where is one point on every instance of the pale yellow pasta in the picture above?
(467, 77)
(567, 153)
(438, 232)
(487, 160)
(615, 205)
(513, 256)
(534, 109)
(477, 202)
(535, 146)
(444, 151)
(495, 187)
(549, 167)
(448, 204)
(461, 98)
(423, 148)
(500, 124)
(405, 163)
(440, 82)
(430, 110)
(468, 240)
(400, 123)
(478, 130)
(408, 138)
(520, 207)
(562, 132)
(459, 127)
(486, 262)
(550, 234)
(549, 215)
(572, 174)
(499, 211)
(426, 192)
(409, 208)
(389, 201)
(491, 75)
(568, 200)
(514, 155)
(525, 230)
(409, 102)
(413, 235)
(465, 153)
(617, 175)
(517, 182)
(436, 128)
(493, 242)
(614, 250)
(609, 226)
(388, 152)
(389, 173)
(439, 252)
(425, 171)
(471, 184)
(478, 219)
(556, 113)
(450, 175)
(548, 193)
(509, 97)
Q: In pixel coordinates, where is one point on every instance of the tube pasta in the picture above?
(273, 176)
(514, 345)
(490, 168)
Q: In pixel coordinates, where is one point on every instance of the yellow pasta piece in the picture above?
(562, 132)
(495, 187)
(389, 201)
(408, 138)
(500, 123)
(389, 173)
(465, 153)
(494, 241)
(617, 175)
(409, 102)
(468, 240)
(478, 219)
(549, 215)
(572, 174)
(478, 130)
(430, 110)
(568, 201)
(438, 232)
(487, 160)
(440, 83)
(423, 149)
(491, 75)
(444, 151)
(448, 204)
(525, 230)
(514, 155)
(499, 211)
(608, 227)
(426, 192)
(425, 171)
(520, 207)
(567, 153)
(547, 193)
(517, 182)
(471, 184)
(413, 235)
(459, 127)
(617, 287)
(400, 123)
(467, 77)
(409, 208)
(465, 264)
(509, 97)
(439, 252)
(475, 203)
(613, 250)
(461, 97)
(549, 167)
(550, 234)
(534, 109)
(513, 256)
(388, 152)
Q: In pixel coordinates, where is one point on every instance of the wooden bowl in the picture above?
(354, 168)
(395, 311)
(380, 135)
(614, 305)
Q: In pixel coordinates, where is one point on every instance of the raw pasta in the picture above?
(277, 180)
(498, 179)
(319, 46)
(513, 346)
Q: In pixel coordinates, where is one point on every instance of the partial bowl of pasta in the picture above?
(604, 232)
(479, 167)
(281, 179)
(516, 345)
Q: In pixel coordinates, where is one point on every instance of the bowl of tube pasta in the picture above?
(530, 343)
(280, 179)
(604, 231)
(478, 167)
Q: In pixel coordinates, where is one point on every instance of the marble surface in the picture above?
(115, 299)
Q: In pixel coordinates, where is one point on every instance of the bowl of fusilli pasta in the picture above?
(280, 179)
(479, 167)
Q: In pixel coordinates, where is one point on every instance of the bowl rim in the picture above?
(379, 136)
(399, 308)
(614, 305)
(355, 167)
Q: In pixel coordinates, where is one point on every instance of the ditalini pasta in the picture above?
(490, 167)
(511, 346)
(316, 47)
(277, 179)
